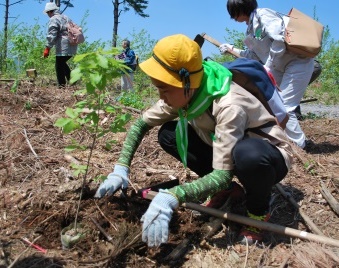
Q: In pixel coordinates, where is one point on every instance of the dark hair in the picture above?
(237, 8)
(127, 42)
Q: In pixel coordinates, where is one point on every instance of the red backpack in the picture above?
(75, 35)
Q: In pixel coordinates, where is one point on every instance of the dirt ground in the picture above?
(39, 197)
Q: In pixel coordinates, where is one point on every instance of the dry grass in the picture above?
(38, 197)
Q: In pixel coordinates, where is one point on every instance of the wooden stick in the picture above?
(329, 198)
(7, 80)
(308, 100)
(212, 227)
(29, 144)
(69, 158)
(114, 227)
(131, 109)
(217, 44)
(307, 219)
(179, 251)
(108, 237)
(258, 224)
(336, 181)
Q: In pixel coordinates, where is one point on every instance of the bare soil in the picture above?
(39, 197)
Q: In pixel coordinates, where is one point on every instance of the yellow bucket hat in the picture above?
(177, 61)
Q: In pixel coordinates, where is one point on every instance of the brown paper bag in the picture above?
(303, 35)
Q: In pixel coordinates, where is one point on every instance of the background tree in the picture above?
(123, 6)
(66, 3)
(4, 44)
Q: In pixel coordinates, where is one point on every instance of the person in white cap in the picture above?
(57, 36)
(208, 123)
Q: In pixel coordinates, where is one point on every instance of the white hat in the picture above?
(50, 6)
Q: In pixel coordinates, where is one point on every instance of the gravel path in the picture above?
(328, 111)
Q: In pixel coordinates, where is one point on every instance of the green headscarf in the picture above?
(215, 84)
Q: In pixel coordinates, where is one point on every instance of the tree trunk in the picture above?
(5, 43)
(115, 21)
(4, 53)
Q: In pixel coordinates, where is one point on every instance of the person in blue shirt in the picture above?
(128, 56)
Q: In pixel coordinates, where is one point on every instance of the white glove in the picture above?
(223, 48)
(157, 217)
(116, 180)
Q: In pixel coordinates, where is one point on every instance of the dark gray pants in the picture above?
(258, 164)
(62, 70)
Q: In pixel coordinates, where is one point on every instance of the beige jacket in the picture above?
(232, 115)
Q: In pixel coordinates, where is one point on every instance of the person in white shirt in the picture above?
(265, 42)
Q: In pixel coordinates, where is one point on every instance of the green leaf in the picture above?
(109, 144)
(73, 147)
(80, 57)
(100, 178)
(80, 92)
(61, 122)
(78, 169)
(70, 127)
(75, 75)
(110, 109)
(72, 113)
(102, 61)
(118, 125)
(93, 116)
(90, 88)
(81, 104)
(14, 87)
(95, 78)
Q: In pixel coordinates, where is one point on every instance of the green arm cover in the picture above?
(204, 187)
(133, 139)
